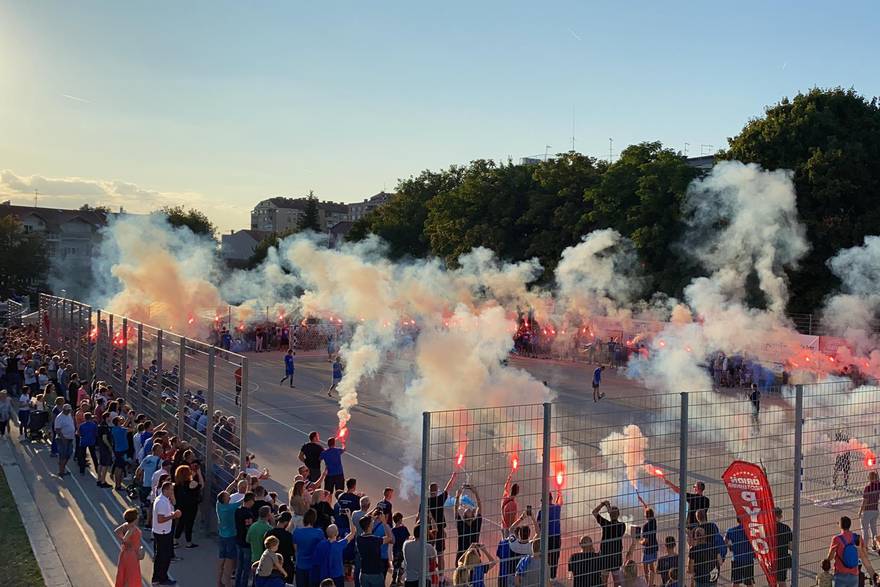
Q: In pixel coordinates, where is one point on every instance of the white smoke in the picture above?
(852, 313)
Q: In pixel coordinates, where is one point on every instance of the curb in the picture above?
(47, 557)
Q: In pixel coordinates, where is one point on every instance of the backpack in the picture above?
(850, 555)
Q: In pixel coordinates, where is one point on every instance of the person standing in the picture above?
(412, 560)
(288, 368)
(369, 546)
(281, 531)
(332, 457)
(437, 515)
(696, 501)
(310, 455)
(868, 510)
(783, 549)
(237, 376)
(755, 399)
(650, 546)
(244, 518)
(88, 440)
(847, 549)
(163, 516)
(256, 534)
(554, 531)
(742, 565)
(337, 375)
(120, 451)
(597, 379)
(585, 566)
(704, 560)
(128, 569)
(509, 507)
(66, 432)
(611, 547)
(187, 489)
(6, 413)
(226, 532)
(328, 555)
(306, 539)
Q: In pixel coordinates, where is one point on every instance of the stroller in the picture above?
(37, 423)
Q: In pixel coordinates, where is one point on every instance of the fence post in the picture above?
(99, 351)
(89, 347)
(545, 495)
(682, 488)
(242, 423)
(123, 361)
(111, 352)
(423, 493)
(181, 388)
(209, 440)
(140, 367)
(798, 482)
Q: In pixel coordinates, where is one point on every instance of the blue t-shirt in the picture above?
(88, 433)
(288, 363)
(332, 458)
(120, 438)
(740, 547)
(597, 376)
(226, 519)
(337, 370)
(506, 559)
(379, 531)
(329, 556)
(478, 575)
(149, 465)
(553, 525)
(306, 540)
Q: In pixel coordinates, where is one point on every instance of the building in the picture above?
(339, 231)
(703, 162)
(360, 209)
(237, 247)
(280, 214)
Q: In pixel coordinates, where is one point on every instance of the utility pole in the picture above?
(572, 128)
(610, 150)
(546, 152)
(686, 145)
(36, 193)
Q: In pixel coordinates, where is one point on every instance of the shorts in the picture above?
(649, 556)
(65, 448)
(595, 386)
(743, 574)
(439, 540)
(228, 549)
(336, 380)
(105, 458)
(119, 460)
(782, 575)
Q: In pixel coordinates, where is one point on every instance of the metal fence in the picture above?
(648, 451)
(12, 312)
(187, 385)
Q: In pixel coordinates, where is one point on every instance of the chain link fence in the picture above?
(198, 391)
(648, 456)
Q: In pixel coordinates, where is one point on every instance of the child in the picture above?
(24, 412)
(270, 568)
(823, 579)
(401, 534)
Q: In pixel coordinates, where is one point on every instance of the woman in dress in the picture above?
(128, 572)
(186, 498)
(298, 504)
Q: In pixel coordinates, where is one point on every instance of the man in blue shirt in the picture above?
(88, 438)
(337, 375)
(288, 368)
(742, 569)
(554, 531)
(306, 540)
(332, 457)
(597, 379)
(120, 451)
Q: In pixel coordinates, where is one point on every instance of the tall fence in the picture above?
(815, 442)
(11, 313)
(189, 386)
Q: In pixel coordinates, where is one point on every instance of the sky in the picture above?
(218, 105)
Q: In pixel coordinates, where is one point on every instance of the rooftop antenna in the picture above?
(610, 149)
(36, 193)
(546, 151)
(572, 127)
(686, 145)
(704, 148)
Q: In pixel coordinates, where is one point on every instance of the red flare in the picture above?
(870, 459)
(460, 459)
(662, 343)
(514, 463)
(191, 320)
(656, 471)
(560, 478)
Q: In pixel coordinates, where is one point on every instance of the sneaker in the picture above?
(193, 545)
(176, 559)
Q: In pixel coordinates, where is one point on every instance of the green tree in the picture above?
(640, 196)
(24, 260)
(310, 219)
(102, 209)
(401, 220)
(830, 139)
(193, 219)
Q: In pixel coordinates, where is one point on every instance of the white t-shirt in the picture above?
(163, 506)
(236, 497)
(154, 482)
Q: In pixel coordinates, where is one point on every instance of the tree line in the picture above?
(829, 138)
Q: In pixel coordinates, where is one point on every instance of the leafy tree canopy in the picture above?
(24, 261)
(193, 219)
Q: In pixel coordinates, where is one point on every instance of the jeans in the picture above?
(368, 580)
(243, 566)
(869, 527)
(845, 580)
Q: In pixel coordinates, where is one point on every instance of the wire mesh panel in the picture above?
(485, 469)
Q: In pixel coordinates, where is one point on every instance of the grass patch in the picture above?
(19, 565)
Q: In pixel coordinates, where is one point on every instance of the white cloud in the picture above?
(72, 192)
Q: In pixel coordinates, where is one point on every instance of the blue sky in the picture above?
(221, 104)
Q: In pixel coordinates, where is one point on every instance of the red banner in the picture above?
(752, 499)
